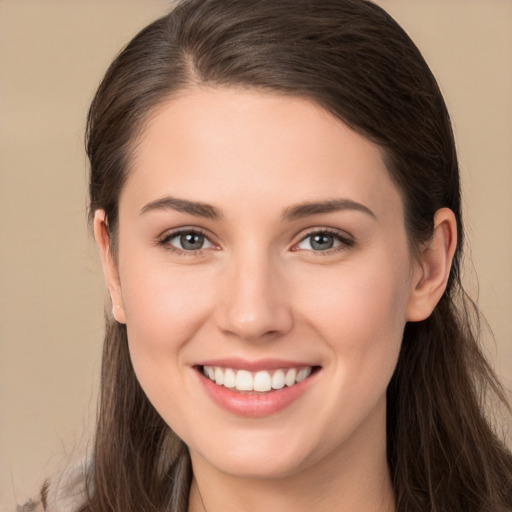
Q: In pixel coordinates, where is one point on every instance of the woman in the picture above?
(275, 194)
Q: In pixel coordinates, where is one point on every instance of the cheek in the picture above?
(360, 312)
(160, 300)
(165, 307)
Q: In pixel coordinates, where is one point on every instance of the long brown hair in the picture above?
(351, 58)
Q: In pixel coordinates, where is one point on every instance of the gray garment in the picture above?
(64, 493)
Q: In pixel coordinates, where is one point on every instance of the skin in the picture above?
(259, 289)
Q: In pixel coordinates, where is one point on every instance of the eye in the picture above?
(323, 241)
(187, 241)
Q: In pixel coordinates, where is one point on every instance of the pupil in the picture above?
(322, 242)
(191, 241)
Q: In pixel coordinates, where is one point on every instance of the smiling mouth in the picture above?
(262, 381)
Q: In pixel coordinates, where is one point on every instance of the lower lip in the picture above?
(258, 404)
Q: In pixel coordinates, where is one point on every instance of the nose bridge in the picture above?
(254, 305)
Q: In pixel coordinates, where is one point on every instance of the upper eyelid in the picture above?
(346, 240)
(331, 231)
(168, 234)
(342, 234)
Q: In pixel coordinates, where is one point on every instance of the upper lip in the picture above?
(254, 365)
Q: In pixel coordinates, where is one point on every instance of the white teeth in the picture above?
(261, 381)
(229, 378)
(303, 373)
(244, 381)
(291, 375)
(219, 376)
(278, 380)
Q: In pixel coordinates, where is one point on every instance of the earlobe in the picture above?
(433, 268)
(110, 271)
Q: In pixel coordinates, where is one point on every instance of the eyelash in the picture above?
(164, 241)
(344, 241)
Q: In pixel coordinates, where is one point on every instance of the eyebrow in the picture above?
(302, 210)
(291, 213)
(184, 206)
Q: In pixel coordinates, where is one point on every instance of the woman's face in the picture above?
(264, 278)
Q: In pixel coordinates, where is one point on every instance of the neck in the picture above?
(354, 479)
(285, 496)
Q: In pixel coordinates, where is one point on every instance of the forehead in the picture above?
(215, 145)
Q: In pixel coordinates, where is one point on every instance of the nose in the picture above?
(255, 305)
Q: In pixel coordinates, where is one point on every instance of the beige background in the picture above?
(52, 56)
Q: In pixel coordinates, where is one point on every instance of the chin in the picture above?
(257, 456)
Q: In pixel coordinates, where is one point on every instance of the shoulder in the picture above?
(31, 506)
(66, 492)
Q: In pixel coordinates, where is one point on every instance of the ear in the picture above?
(433, 267)
(110, 271)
